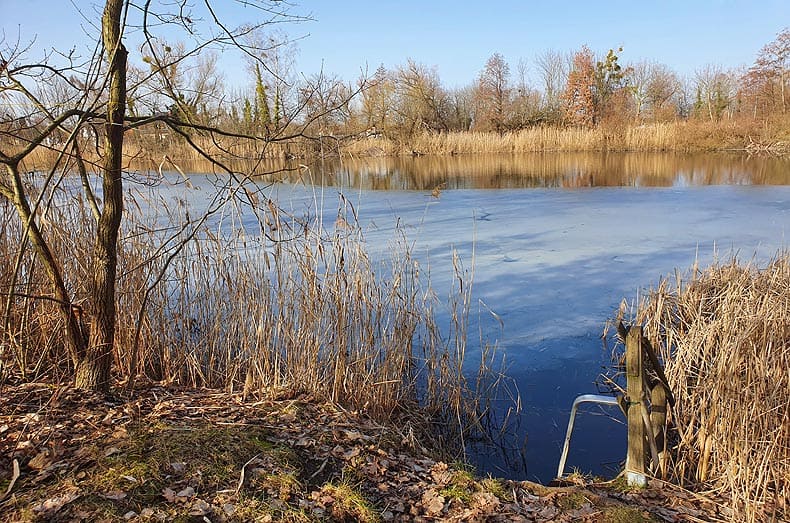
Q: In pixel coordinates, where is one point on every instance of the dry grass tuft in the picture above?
(724, 336)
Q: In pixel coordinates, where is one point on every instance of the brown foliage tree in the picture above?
(579, 96)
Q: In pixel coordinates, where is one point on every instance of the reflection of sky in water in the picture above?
(554, 264)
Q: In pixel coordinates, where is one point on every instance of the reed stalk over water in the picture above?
(274, 303)
(724, 336)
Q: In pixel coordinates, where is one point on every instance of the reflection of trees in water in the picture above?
(492, 171)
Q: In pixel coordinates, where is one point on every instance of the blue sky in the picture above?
(457, 37)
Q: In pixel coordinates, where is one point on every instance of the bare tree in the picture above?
(526, 101)
(715, 92)
(553, 67)
(662, 91)
(652, 86)
(493, 95)
(324, 100)
(462, 110)
(767, 80)
(378, 101)
(183, 82)
(94, 98)
(422, 102)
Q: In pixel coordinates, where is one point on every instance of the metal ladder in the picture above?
(584, 398)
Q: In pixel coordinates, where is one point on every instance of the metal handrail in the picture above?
(584, 398)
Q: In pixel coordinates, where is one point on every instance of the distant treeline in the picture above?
(584, 101)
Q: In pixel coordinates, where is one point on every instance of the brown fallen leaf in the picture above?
(199, 508)
(351, 453)
(353, 435)
(55, 503)
(169, 494)
(485, 499)
(433, 502)
(108, 418)
(40, 461)
(185, 494)
(31, 418)
(114, 495)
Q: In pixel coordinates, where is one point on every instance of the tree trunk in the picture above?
(75, 337)
(93, 371)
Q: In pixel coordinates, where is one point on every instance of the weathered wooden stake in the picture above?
(658, 418)
(635, 459)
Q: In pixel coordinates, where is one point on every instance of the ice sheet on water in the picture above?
(554, 265)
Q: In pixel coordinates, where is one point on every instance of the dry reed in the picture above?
(676, 136)
(286, 305)
(148, 150)
(724, 337)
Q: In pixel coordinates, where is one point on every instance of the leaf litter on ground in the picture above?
(165, 454)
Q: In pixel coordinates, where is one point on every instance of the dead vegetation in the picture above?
(197, 455)
(724, 337)
(681, 136)
(674, 136)
(256, 300)
(278, 302)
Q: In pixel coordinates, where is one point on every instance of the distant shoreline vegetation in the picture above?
(680, 136)
(748, 136)
(579, 101)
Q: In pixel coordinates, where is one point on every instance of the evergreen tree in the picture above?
(277, 108)
(262, 114)
(609, 79)
(247, 114)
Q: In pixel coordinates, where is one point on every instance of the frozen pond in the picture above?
(554, 255)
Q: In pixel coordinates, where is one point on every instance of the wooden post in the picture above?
(658, 418)
(635, 392)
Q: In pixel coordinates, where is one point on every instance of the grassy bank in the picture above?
(724, 338)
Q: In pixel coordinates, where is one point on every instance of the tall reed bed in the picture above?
(724, 336)
(152, 151)
(259, 302)
(678, 136)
